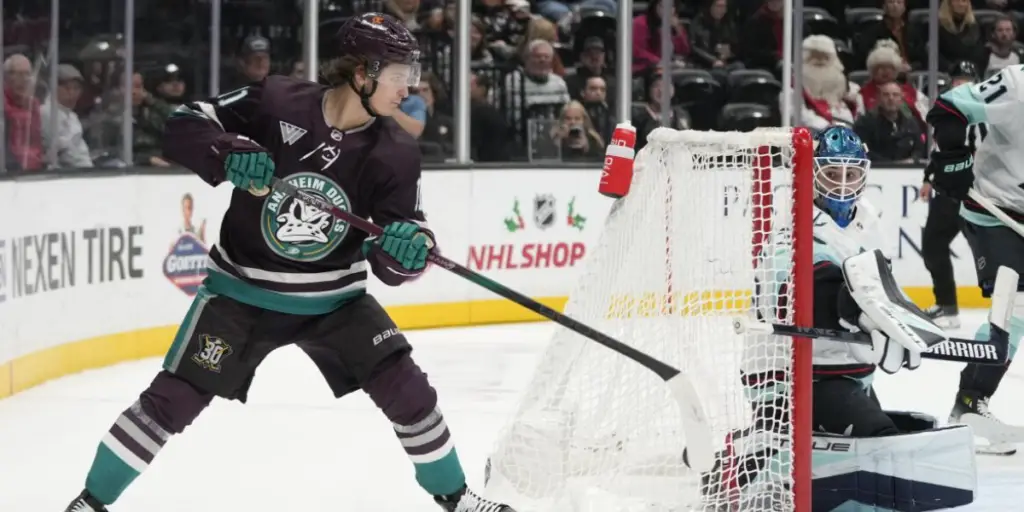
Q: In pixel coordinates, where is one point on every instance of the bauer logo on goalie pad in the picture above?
(212, 351)
(544, 211)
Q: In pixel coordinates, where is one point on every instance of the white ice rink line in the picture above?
(293, 447)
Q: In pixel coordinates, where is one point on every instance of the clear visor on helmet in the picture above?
(840, 179)
(400, 75)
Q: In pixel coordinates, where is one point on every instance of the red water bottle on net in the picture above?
(617, 174)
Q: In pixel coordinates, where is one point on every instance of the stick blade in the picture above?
(700, 452)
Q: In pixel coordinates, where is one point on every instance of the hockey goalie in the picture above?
(863, 455)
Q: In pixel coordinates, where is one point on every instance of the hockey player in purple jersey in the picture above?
(285, 272)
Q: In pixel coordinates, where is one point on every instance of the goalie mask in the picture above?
(840, 172)
(385, 48)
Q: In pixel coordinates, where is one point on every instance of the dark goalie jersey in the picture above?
(278, 253)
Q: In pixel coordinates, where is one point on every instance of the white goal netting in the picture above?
(697, 237)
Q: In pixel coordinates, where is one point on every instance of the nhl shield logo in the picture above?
(302, 232)
(185, 264)
(544, 211)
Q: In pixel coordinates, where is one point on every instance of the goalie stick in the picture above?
(994, 351)
(694, 419)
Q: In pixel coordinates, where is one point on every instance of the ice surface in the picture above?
(295, 448)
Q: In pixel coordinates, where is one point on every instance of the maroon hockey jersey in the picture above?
(274, 251)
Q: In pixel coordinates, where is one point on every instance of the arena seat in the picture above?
(859, 18)
(744, 117)
(859, 77)
(820, 21)
(753, 86)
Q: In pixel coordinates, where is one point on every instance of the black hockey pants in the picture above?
(942, 226)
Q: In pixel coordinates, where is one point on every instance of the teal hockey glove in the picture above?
(247, 165)
(406, 243)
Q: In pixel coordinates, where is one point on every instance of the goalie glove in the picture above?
(899, 331)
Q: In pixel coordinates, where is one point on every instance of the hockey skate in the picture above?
(466, 500)
(972, 410)
(85, 503)
(946, 317)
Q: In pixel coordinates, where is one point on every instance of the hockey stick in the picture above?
(694, 420)
(991, 208)
(994, 351)
(955, 349)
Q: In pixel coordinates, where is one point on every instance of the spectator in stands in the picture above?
(713, 38)
(413, 13)
(22, 118)
(894, 26)
(595, 100)
(479, 55)
(413, 114)
(506, 25)
(438, 138)
(575, 133)
(148, 114)
(169, 85)
(72, 151)
(760, 45)
(592, 64)
(959, 33)
(298, 70)
(535, 88)
(647, 37)
(544, 30)
(648, 117)
(889, 131)
(489, 133)
(826, 99)
(883, 65)
(253, 64)
(1003, 49)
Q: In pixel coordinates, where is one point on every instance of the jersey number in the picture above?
(992, 88)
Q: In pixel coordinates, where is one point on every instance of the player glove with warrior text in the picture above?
(247, 165)
(951, 172)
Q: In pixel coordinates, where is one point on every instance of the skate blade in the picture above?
(947, 322)
(1003, 450)
(994, 432)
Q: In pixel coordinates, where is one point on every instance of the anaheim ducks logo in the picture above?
(303, 232)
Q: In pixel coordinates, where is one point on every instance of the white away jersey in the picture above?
(999, 158)
(832, 244)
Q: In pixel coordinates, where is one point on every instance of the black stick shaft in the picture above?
(663, 370)
(957, 350)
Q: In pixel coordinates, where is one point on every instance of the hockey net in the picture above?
(697, 238)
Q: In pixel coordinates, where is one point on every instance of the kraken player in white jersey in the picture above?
(851, 291)
(996, 171)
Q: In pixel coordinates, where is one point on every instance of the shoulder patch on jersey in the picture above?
(301, 232)
(290, 133)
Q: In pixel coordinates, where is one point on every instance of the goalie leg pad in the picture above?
(927, 470)
(402, 392)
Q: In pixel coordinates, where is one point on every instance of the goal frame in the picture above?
(803, 292)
